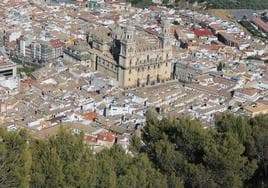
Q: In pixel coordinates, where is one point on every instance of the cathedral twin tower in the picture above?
(142, 57)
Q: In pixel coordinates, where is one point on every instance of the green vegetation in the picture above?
(218, 4)
(220, 67)
(26, 70)
(140, 3)
(15, 60)
(174, 153)
(176, 22)
(252, 133)
(201, 157)
(253, 58)
(252, 30)
(238, 4)
(257, 58)
(64, 161)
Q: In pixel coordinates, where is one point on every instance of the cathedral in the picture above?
(131, 55)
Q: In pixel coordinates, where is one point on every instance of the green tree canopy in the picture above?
(15, 159)
(170, 153)
(65, 161)
(253, 134)
(203, 158)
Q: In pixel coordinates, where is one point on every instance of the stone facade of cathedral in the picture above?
(134, 57)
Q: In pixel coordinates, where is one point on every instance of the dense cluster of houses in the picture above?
(216, 67)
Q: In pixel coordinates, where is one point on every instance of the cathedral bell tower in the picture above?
(165, 42)
(126, 51)
(127, 42)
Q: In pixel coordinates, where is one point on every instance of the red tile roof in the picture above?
(257, 21)
(211, 47)
(108, 137)
(91, 116)
(90, 138)
(30, 81)
(215, 26)
(202, 32)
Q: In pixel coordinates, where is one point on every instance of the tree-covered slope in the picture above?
(173, 153)
(222, 4)
(236, 4)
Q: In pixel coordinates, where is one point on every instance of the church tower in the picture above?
(165, 42)
(126, 51)
(127, 42)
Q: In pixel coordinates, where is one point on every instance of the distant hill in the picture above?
(235, 4)
(222, 4)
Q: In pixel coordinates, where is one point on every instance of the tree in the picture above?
(15, 159)
(175, 153)
(258, 148)
(165, 2)
(202, 158)
(241, 4)
(140, 3)
(253, 134)
(225, 157)
(220, 67)
(135, 143)
(237, 125)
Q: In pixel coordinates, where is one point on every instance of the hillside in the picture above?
(222, 4)
(174, 153)
(237, 4)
